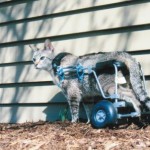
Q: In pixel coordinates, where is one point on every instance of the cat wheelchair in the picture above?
(110, 110)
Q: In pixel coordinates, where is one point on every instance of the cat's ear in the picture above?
(34, 48)
(48, 45)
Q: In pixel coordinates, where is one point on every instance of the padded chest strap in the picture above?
(57, 60)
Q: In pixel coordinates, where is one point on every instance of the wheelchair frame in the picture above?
(81, 71)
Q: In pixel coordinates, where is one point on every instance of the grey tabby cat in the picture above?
(132, 91)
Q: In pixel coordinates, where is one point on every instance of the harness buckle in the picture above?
(60, 74)
(80, 72)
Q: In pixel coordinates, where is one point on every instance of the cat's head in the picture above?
(42, 59)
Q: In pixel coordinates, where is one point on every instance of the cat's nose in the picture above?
(36, 62)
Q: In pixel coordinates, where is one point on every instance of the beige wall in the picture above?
(79, 27)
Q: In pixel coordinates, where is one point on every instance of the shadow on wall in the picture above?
(56, 110)
(19, 91)
(60, 111)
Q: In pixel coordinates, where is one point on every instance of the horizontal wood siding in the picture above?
(78, 27)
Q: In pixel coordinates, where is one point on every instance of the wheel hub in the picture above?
(100, 116)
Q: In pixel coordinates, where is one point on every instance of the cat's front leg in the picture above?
(74, 104)
(73, 94)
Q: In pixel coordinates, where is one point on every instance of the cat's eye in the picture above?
(33, 59)
(42, 58)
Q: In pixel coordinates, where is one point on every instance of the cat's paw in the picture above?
(88, 121)
(74, 120)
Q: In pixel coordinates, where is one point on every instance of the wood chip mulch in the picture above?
(68, 136)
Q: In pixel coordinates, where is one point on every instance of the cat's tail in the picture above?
(135, 77)
(137, 83)
(147, 102)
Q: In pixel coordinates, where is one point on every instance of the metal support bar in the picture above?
(99, 85)
(116, 81)
(133, 114)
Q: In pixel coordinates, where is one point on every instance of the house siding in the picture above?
(79, 27)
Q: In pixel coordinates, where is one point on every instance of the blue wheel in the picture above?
(103, 114)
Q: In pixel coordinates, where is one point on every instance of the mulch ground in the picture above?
(68, 136)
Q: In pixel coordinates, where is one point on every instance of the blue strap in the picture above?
(80, 72)
(60, 74)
